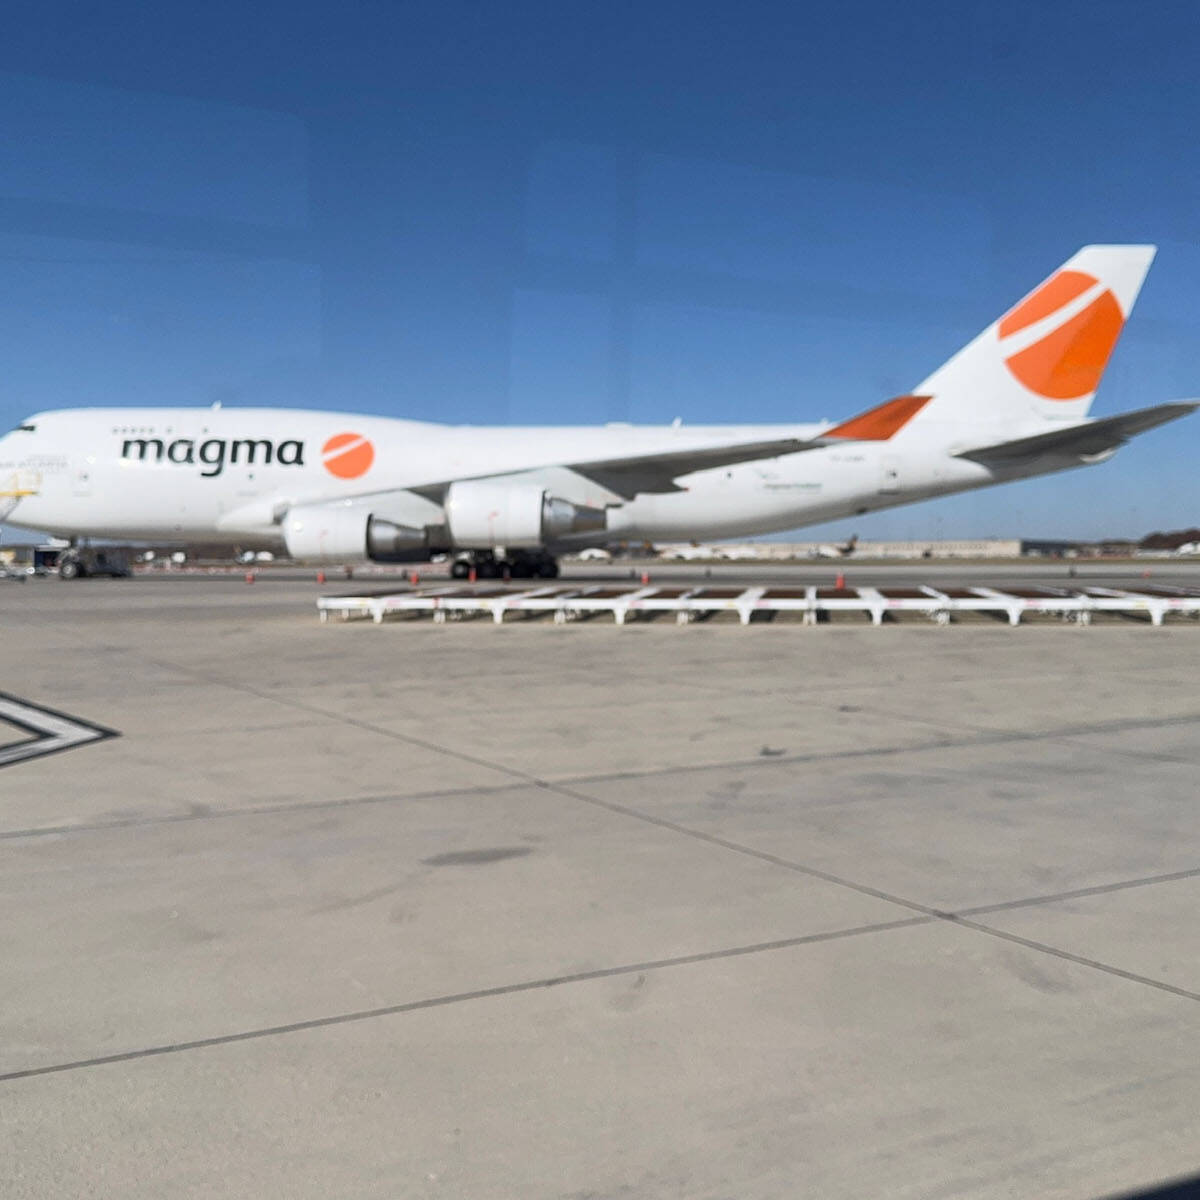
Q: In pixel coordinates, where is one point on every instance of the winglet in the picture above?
(880, 423)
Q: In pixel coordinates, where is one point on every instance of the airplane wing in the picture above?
(657, 472)
(631, 475)
(1090, 437)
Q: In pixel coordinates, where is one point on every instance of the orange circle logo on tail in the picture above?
(1067, 361)
(347, 455)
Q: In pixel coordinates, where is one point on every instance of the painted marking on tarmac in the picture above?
(52, 731)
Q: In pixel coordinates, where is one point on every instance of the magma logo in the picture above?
(347, 455)
(213, 455)
(1077, 327)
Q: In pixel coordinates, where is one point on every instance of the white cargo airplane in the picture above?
(331, 487)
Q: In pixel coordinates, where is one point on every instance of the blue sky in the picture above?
(569, 213)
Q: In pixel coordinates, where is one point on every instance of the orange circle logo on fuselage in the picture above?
(347, 455)
(1067, 359)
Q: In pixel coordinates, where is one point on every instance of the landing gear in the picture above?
(536, 564)
(80, 561)
(517, 564)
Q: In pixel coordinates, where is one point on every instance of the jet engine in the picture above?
(347, 532)
(484, 514)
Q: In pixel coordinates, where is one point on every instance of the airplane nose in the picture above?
(17, 482)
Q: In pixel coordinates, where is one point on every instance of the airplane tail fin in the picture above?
(1044, 358)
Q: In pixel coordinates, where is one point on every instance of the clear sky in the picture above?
(563, 212)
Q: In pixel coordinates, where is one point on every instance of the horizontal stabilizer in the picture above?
(1087, 438)
(880, 423)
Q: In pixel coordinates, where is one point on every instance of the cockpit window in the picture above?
(26, 428)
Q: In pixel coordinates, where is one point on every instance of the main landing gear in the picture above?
(516, 564)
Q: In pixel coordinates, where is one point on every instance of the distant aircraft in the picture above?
(829, 550)
(329, 487)
(694, 552)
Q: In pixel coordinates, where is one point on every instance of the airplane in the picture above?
(330, 487)
(828, 550)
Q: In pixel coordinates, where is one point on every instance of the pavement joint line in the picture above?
(444, 1001)
(1100, 889)
(257, 810)
(1080, 959)
(1068, 736)
(1064, 733)
(935, 916)
(997, 737)
(749, 851)
(1131, 754)
(942, 915)
(516, 779)
(928, 912)
(567, 789)
(347, 719)
(570, 793)
(984, 736)
(764, 856)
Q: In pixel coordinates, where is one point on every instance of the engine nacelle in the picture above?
(345, 532)
(483, 514)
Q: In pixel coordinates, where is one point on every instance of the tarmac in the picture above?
(557, 911)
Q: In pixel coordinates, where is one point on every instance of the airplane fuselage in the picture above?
(225, 475)
(330, 486)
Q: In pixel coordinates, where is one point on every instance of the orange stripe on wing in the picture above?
(880, 423)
